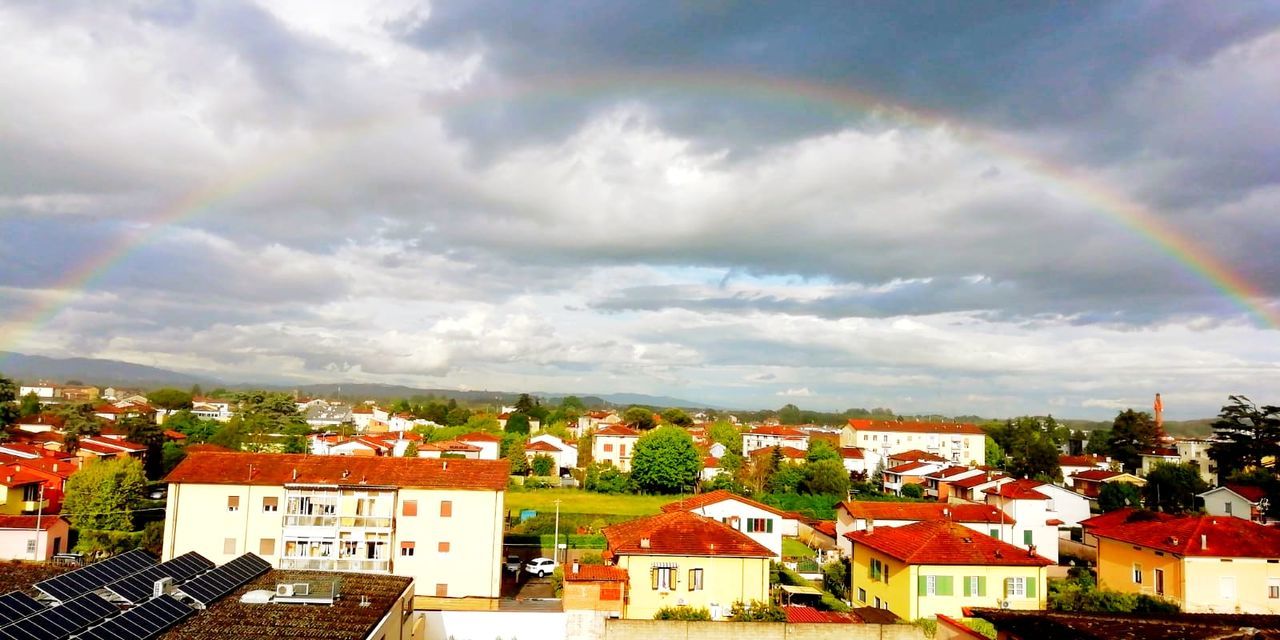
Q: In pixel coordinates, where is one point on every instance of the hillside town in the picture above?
(257, 514)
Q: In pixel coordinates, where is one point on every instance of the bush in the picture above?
(981, 626)
(756, 612)
(543, 465)
(913, 491)
(1080, 593)
(835, 578)
(591, 558)
(928, 626)
(605, 478)
(682, 613)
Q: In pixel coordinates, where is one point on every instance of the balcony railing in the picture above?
(295, 520)
(336, 564)
(383, 522)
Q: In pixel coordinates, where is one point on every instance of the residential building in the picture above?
(860, 515)
(899, 476)
(1072, 465)
(437, 521)
(957, 443)
(938, 484)
(362, 417)
(915, 455)
(324, 415)
(22, 493)
(760, 522)
(600, 588)
(1114, 517)
(1044, 512)
(53, 472)
(1237, 501)
(33, 537)
(105, 448)
(42, 390)
(774, 436)
(79, 393)
(1089, 483)
(565, 455)
(972, 488)
(1157, 455)
(855, 461)
(1203, 563)
(489, 444)
(210, 409)
(449, 449)
(924, 569)
(1195, 451)
(614, 445)
(710, 468)
(682, 559)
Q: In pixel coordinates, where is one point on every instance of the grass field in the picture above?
(792, 548)
(579, 501)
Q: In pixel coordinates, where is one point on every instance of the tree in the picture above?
(790, 414)
(1172, 488)
(725, 433)
(171, 454)
(912, 491)
(573, 402)
(260, 415)
(8, 394)
(525, 404)
(665, 461)
(188, 424)
(641, 417)
(677, 417)
(822, 450)
(78, 422)
(827, 477)
(1118, 495)
(1247, 434)
(1132, 433)
(543, 465)
(104, 494)
(786, 478)
(994, 454)
(30, 405)
(456, 416)
(517, 423)
(171, 399)
(411, 450)
(1029, 445)
(144, 431)
(1099, 442)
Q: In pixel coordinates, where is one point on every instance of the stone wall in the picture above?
(680, 630)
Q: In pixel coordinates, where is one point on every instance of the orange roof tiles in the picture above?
(1250, 493)
(617, 430)
(1202, 535)
(915, 427)
(19, 478)
(542, 445)
(1018, 490)
(924, 511)
(1122, 516)
(476, 436)
(799, 614)
(910, 466)
(284, 468)
(851, 453)
(916, 455)
(681, 533)
(945, 543)
(1096, 475)
(595, 573)
(46, 522)
(784, 432)
(1081, 461)
(974, 481)
(790, 453)
(719, 495)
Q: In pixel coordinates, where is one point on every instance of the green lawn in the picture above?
(579, 501)
(792, 548)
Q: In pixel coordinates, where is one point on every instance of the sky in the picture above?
(957, 208)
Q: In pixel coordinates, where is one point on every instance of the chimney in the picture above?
(444, 465)
(1204, 541)
(295, 473)
(346, 473)
(1031, 550)
(871, 525)
(575, 566)
(645, 543)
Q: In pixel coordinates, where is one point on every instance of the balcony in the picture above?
(299, 520)
(366, 522)
(336, 564)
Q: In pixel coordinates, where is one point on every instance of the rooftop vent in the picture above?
(644, 543)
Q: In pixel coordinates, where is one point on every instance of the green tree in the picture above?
(1118, 495)
(790, 414)
(30, 405)
(639, 417)
(144, 431)
(1246, 434)
(826, 476)
(172, 454)
(295, 438)
(517, 423)
(483, 422)
(1132, 433)
(104, 494)
(1029, 446)
(261, 415)
(456, 416)
(512, 448)
(677, 417)
(1172, 488)
(543, 465)
(665, 461)
(725, 433)
(912, 491)
(835, 578)
(756, 612)
(188, 424)
(1099, 442)
(573, 402)
(525, 404)
(786, 478)
(8, 394)
(79, 422)
(411, 450)
(822, 450)
(170, 399)
(994, 454)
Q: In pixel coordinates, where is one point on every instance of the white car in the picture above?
(540, 566)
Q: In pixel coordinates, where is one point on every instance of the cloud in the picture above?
(801, 392)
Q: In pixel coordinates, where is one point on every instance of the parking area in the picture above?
(520, 585)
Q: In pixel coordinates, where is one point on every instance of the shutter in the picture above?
(1007, 582)
(967, 591)
(1026, 537)
(1031, 586)
(945, 586)
(924, 585)
(653, 578)
(982, 586)
(769, 527)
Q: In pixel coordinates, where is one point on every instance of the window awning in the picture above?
(798, 590)
(664, 565)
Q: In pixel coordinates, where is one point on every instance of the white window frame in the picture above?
(666, 578)
(1273, 588)
(31, 545)
(973, 585)
(1227, 587)
(931, 585)
(1137, 573)
(1017, 588)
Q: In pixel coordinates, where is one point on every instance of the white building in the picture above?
(615, 445)
(489, 444)
(1237, 501)
(41, 390)
(1044, 513)
(958, 443)
(774, 436)
(565, 455)
(760, 522)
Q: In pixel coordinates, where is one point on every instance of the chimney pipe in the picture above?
(575, 566)
(1204, 541)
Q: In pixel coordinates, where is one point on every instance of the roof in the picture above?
(595, 573)
(945, 543)
(448, 446)
(719, 495)
(284, 468)
(1121, 516)
(29, 523)
(825, 527)
(951, 471)
(1096, 475)
(980, 479)
(1161, 452)
(1081, 461)
(925, 511)
(1223, 536)
(1076, 625)
(1018, 490)
(477, 436)
(345, 619)
(915, 427)
(44, 418)
(916, 455)
(542, 445)
(711, 462)
(851, 453)
(790, 453)
(910, 466)
(681, 533)
(872, 615)
(797, 614)
(1248, 492)
(783, 432)
(19, 478)
(617, 430)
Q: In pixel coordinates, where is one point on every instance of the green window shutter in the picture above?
(1031, 586)
(995, 533)
(967, 591)
(982, 586)
(924, 585)
(944, 586)
(769, 527)
(1026, 537)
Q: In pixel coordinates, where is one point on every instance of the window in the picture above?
(1015, 587)
(31, 546)
(1273, 588)
(446, 508)
(270, 504)
(975, 586)
(409, 508)
(995, 533)
(862, 595)
(267, 547)
(442, 590)
(935, 585)
(1227, 587)
(695, 579)
(31, 493)
(1158, 574)
(622, 450)
(443, 547)
(759, 525)
(875, 569)
(1137, 573)
(229, 546)
(608, 448)
(1026, 537)
(931, 585)
(663, 578)
(1228, 507)
(878, 602)
(233, 503)
(406, 549)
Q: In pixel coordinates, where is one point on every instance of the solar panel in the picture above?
(17, 605)
(60, 621)
(143, 622)
(225, 579)
(141, 585)
(85, 579)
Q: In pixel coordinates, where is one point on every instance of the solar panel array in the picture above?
(225, 579)
(61, 621)
(17, 605)
(140, 586)
(85, 579)
(143, 622)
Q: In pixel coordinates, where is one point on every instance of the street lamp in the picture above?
(555, 544)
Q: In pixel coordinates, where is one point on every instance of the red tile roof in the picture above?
(542, 445)
(1018, 490)
(449, 446)
(945, 543)
(851, 453)
(950, 471)
(10, 478)
(1224, 536)
(711, 462)
(1096, 475)
(790, 453)
(1121, 516)
(681, 533)
(915, 427)
(719, 495)
(910, 466)
(282, 468)
(1248, 492)
(476, 436)
(29, 522)
(798, 614)
(827, 527)
(1163, 452)
(617, 430)
(1081, 461)
(916, 455)
(784, 432)
(973, 481)
(924, 511)
(595, 573)
(46, 419)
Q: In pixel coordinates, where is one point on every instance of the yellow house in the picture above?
(1205, 564)
(438, 521)
(22, 493)
(680, 559)
(928, 568)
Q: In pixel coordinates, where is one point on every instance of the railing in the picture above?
(335, 564)
(383, 522)
(294, 520)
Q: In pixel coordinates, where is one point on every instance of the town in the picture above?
(178, 514)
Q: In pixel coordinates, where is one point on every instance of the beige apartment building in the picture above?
(438, 521)
(955, 442)
(615, 444)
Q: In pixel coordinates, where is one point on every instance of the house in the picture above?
(22, 493)
(767, 437)
(679, 558)
(41, 422)
(1195, 451)
(323, 415)
(362, 417)
(860, 515)
(760, 522)
(1237, 501)
(855, 461)
(971, 488)
(710, 468)
(938, 484)
(1044, 513)
(958, 443)
(104, 448)
(565, 455)
(1203, 563)
(488, 443)
(43, 390)
(614, 445)
(437, 521)
(33, 537)
(1156, 455)
(210, 409)
(601, 588)
(717, 450)
(1072, 465)
(914, 455)
(899, 476)
(1089, 483)
(79, 393)
(1115, 517)
(53, 473)
(449, 449)
(924, 569)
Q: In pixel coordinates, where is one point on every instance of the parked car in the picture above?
(512, 564)
(540, 566)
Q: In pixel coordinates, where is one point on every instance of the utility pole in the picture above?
(555, 546)
(35, 553)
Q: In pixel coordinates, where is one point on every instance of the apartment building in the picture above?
(438, 521)
(615, 444)
(955, 442)
(767, 437)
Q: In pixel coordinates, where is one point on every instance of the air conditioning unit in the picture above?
(162, 586)
(285, 590)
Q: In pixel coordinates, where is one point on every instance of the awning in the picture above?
(798, 591)
(665, 565)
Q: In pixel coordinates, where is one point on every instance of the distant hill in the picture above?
(1199, 427)
(93, 371)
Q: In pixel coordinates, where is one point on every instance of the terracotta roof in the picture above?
(46, 522)
(915, 427)
(1096, 475)
(916, 455)
(925, 511)
(113, 444)
(1018, 490)
(798, 614)
(945, 543)
(174, 435)
(827, 527)
(711, 462)
(1054, 522)
(476, 436)
(282, 468)
(1248, 492)
(1224, 536)
(542, 445)
(49, 466)
(719, 495)
(362, 409)
(19, 478)
(950, 471)
(680, 533)
(449, 446)
(617, 430)
(1081, 461)
(595, 573)
(47, 419)
(790, 453)
(851, 453)
(980, 479)
(784, 432)
(1121, 516)
(910, 466)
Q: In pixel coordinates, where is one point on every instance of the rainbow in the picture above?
(801, 95)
